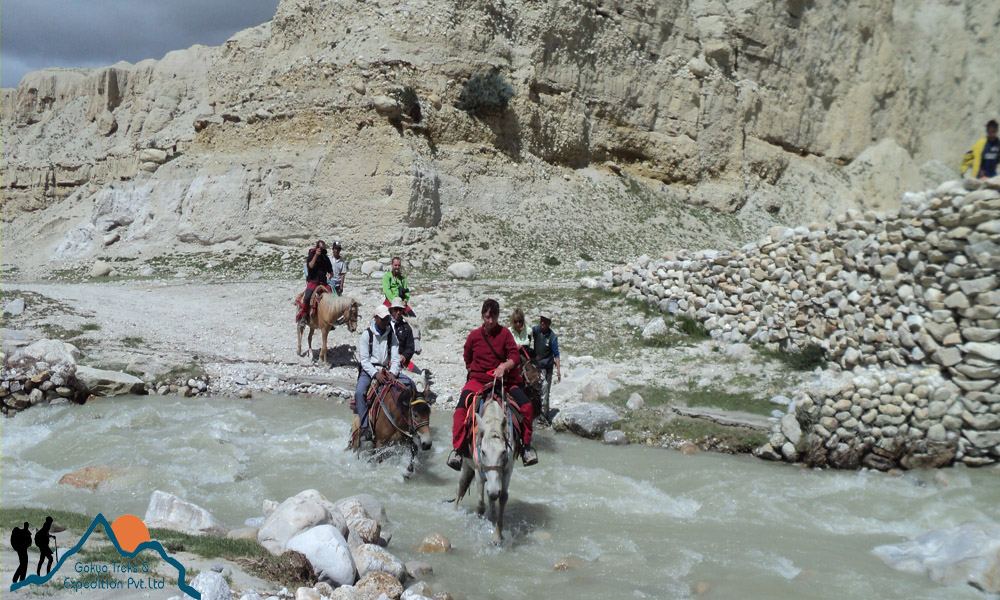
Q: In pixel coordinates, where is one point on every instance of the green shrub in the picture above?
(485, 93)
(552, 261)
(692, 327)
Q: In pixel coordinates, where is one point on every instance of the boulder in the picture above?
(167, 511)
(635, 401)
(100, 269)
(371, 505)
(615, 437)
(153, 155)
(327, 552)
(370, 266)
(588, 419)
(374, 585)
(57, 356)
(739, 351)
(415, 569)
(462, 270)
(969, 552)
(369, 558)
(293, 516)
(109, 383)
(91, 477)
(386, 106)
(14, 307)
(655, 328)
(433, 543)
(211, 585)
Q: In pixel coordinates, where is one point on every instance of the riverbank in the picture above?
(238, 337)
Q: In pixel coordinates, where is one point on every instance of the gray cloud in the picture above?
(35, 34)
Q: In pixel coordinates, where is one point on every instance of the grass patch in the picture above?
(134, 342)
(692, 328)
(90, 327)
(741, 401)
(713, 436)
(586, 257)
(552, 261)
(432, 323)
(804, 359)
(184, 372)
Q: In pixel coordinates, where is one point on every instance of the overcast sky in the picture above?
(35, 34)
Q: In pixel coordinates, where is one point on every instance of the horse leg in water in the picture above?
(498, 532)
(464, 480)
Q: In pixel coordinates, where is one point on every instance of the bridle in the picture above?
(408, 418)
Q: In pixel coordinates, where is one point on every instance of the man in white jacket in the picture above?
(379, 349)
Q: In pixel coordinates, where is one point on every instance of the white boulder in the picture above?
(462, 270)
(293, 516)
(328, 553)
(167, 511)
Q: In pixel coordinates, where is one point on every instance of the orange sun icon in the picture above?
(130, 531)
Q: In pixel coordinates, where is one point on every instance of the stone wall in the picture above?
(905, 302)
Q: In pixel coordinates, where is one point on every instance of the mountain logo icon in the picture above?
(128, 534)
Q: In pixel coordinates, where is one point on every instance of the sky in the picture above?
(36, 34)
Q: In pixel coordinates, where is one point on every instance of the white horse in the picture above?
(495, 447)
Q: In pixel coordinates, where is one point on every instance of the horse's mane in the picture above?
(341, 303)
(493, 415)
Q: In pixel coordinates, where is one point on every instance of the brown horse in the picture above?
(532, 375)
(330, 311)
(397, 413)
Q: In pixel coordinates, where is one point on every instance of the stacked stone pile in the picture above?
(913, 288)
(46, 371)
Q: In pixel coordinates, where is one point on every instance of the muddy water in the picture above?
(644, 522)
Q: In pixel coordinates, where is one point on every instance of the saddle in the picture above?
(318, 294)
(478, 401)
(379, 391)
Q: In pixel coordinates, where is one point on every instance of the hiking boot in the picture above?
(529, 456)
(455, 460)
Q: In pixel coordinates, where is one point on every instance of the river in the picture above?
(645, 522)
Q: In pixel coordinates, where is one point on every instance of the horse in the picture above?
(396, 414)
(495, 447)
(330, 310)
(533, 378)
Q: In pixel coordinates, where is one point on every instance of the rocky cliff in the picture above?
(631, 123)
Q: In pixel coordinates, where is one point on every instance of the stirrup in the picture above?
(529, 457)
(454, 460)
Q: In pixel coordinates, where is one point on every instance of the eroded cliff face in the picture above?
(627, 117)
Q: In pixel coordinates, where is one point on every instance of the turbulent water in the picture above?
(645, 522)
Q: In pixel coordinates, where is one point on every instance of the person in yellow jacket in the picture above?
(982, 157)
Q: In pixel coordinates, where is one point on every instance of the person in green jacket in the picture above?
(394, 286)
(982, 157)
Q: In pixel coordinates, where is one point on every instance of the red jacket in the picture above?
(479, 358)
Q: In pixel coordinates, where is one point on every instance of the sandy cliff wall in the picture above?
(625, 116)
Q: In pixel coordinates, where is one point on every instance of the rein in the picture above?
(412, 426)
(475, 416)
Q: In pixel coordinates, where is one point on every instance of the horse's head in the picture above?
(420, 420)
(494, 446)
(351, 316)
(532, 374)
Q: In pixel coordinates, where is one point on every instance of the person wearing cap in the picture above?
(394, 286)
(317, 271)
(404, 333)
(491, 353)
(338, 270)
(546, 346)
(378, 349)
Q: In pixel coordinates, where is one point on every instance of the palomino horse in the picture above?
(395, 415)
(329, 312)
(495, 447)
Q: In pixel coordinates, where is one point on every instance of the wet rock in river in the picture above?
(327, 552)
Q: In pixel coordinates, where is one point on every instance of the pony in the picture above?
(533, 378)
(495, 447)
(397, 414)
(330, 310)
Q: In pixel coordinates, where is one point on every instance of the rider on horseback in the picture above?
(491, 353)
(394, 286)
(379, 350)
(318, 268)
(404, 333)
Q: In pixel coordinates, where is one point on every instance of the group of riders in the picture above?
(493, 353)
